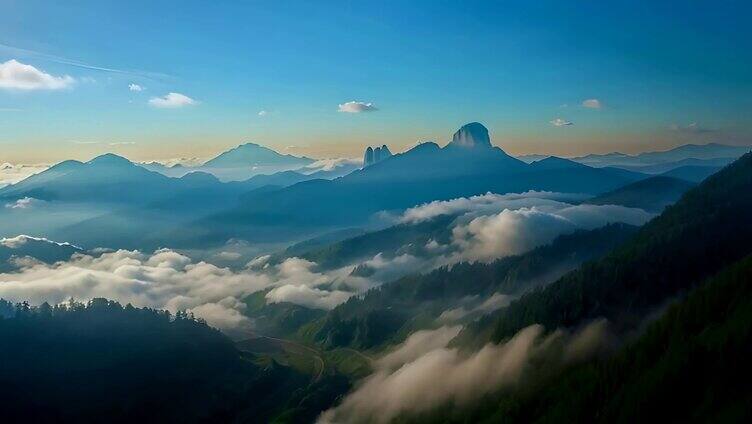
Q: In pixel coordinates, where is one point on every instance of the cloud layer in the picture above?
(423, 374)
(15, 75)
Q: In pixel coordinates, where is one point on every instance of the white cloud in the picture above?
(486, 203)
(13, 173)
(433, 376)
(512, 232)
(493, 303)
(356, 107)
(416, 345)
(172, 101)
(122, 143)
(24, 203)
(263, 113)
(135, 87)
(15, 75)
(592, 104)
(164, 279)
(692, 128)
(308, 296)
(558, 122)
(332, 164)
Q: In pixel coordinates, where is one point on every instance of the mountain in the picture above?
(100, 359)
(701, 152)
(389, 313)
(472, 135)
(692, 173)
(106, 179)
(469, 165)
(38, 248)
(705, 231)
(652, 194)
(668, 166)
(378, 154)
(252, 154)
(687, 365)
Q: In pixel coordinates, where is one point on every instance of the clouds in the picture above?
(164, 279)
(13, 173)
(486, 203)
(692, 128)
(135, 87)
(559, 122)
(512, 232)
(492, 226)
(591, 104)
(15, 75)
(172, 101)
(423, 374)
(356, 107)
(24, 203)
(263, 113)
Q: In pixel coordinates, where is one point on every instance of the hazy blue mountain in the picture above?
(692, 173)
(252, 154)
(38, 248)
(469, 165)
(374, 155)
(652, 194)
(713, 153)
(106, 179)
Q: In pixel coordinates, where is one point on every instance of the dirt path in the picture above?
(318, 359)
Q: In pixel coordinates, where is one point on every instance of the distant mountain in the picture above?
(378, 154)
(469, 165)
(652, 194)
(692, 173)
(713, 153)
(252, 154)
(107, 179)
(669, 166)
(39, 248)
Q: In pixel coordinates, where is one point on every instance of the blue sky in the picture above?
(664, 73)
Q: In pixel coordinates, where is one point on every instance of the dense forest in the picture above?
(691, 365)
(389, 313)
(102, 361)
(708, 229)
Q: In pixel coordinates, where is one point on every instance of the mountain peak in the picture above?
(378, 154)
(473, 134)
(109, 159)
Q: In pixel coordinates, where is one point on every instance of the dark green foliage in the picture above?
(708, 229)
(102, 361)
(692, 365)
(390, 312)
(278, 319)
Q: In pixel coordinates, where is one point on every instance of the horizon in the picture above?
(347, 77)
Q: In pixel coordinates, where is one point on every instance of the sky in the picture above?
(325, 79)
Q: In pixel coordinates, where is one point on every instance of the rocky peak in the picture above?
(473, 134)
(376, 155)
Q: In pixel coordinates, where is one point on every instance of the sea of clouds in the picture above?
(486, 228)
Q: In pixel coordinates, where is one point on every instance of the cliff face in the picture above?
(375, 155)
